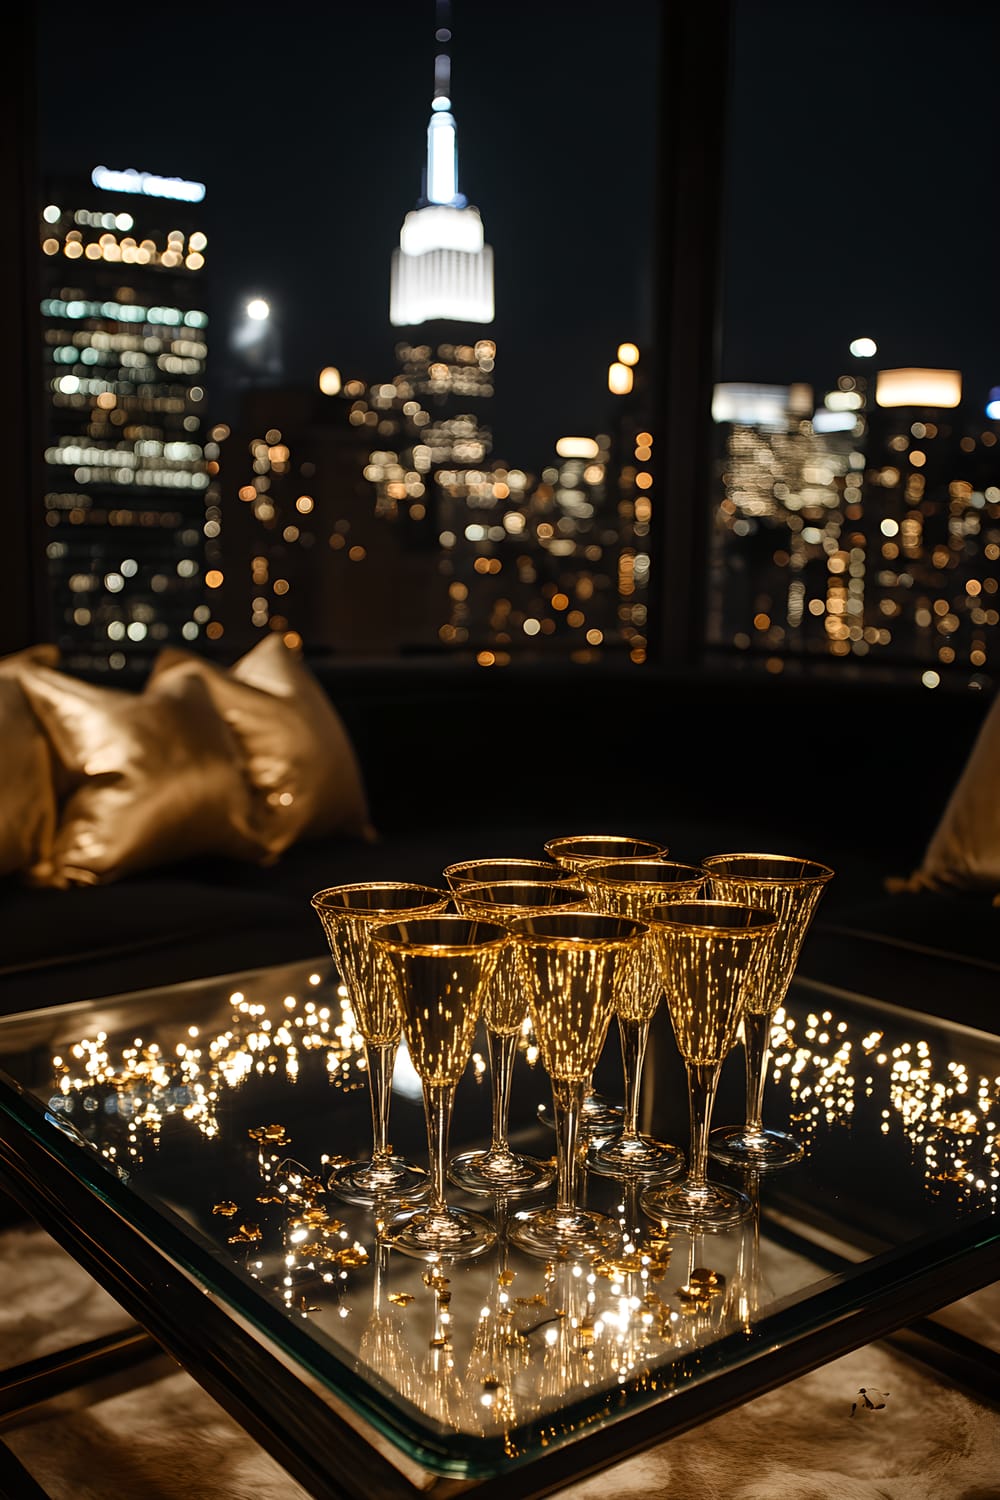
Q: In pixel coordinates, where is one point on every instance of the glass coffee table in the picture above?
(178, 1141)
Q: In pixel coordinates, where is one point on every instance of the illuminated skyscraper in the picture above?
(442, 276)
(131, 507)
(446, 547)
(442, 268)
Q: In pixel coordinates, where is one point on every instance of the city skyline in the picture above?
(502, 544)
(845, 215)
(308, 213)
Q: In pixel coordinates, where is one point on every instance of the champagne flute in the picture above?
(570, 964)
(624, 888)
(710, 955)
(789, 888)
(573, 852)
(482, 871)
(440, 968)
(348, 913)
(504, 1012)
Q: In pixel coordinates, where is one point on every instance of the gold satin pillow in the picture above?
(963, 853)
(153, 777)
(27, 797)
(299, 758)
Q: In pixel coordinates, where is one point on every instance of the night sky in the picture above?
(861, 187)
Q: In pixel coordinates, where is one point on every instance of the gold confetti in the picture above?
(247, 1234)
(312, 1217)
(226, 1208)
(270, 1135)
(401, 1299)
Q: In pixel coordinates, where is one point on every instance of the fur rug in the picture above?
(167, 1440)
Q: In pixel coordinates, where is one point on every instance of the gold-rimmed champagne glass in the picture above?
(348, 913)
(710, 955)
(483, 871)
(625, 888)
(440, 967)
(573, 852)
(789, 888)
(504, 1011)
(570, 963)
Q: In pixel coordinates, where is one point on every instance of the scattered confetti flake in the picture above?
(247, 1234)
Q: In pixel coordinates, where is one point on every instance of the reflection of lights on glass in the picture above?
(405, 1078)
(577, 447)
(930, 679)
(147, 1081)
(945, 1113)
(329, 380)
(619, 379)
(863, 348)
(843, 401)
(628, 354)
(918, 387)
(258, 310)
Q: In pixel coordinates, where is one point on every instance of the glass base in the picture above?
(563, 1233)
(599, 1118)
(444, 1234)
(763, 1150)
(637, 1155)
(368, 1183)
(500, 1172)
(710, 1206)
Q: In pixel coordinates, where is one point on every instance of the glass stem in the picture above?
(567, 1101)
(634, 1035)
(380, 1058)
(703, 1080)
(757, 1046)
(438, 1100)
(501, 1050)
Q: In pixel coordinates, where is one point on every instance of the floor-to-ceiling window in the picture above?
(856, 432)
(347, 328)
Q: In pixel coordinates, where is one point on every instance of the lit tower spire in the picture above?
(443, 268)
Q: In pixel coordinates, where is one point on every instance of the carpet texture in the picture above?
(168, 1440)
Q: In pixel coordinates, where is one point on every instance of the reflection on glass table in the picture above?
(206, 1116)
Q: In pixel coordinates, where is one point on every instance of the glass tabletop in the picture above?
(209, 1116)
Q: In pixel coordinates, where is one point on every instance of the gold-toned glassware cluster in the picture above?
(607, 926)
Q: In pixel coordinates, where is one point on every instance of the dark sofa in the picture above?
(461, 762)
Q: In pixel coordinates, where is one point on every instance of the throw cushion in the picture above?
(27, 798)
(153, 777)
(301, 764)
(964, 851)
